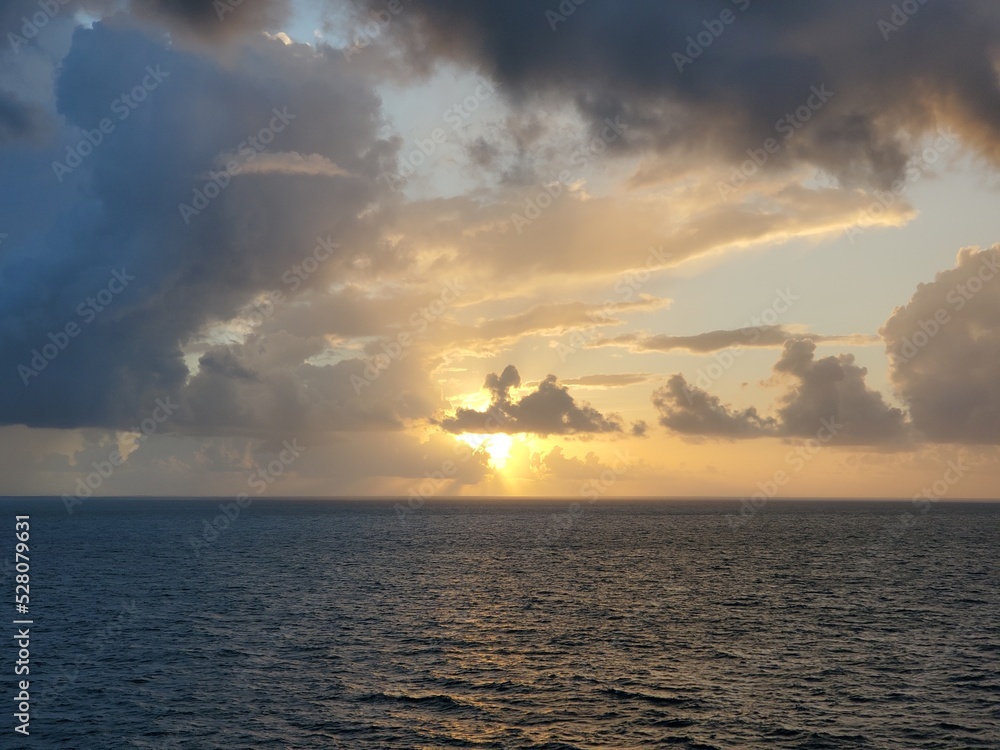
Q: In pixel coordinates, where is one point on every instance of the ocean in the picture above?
(339, 624)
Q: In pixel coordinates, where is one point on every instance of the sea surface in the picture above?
(315, 624)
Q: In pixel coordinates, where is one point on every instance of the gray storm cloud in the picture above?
(80, 355)
(888, 74)
(209, 20)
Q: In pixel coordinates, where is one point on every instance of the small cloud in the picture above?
(692, 411)
(773, 336)
(284, 162)
(281, 36)
(548, 410)
(618, 380)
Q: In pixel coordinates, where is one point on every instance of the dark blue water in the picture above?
(339, 625)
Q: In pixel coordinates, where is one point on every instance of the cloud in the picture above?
(480, 239)
(192, 21)
(703, 343)
(224, 362)
(833, 389)
(617, 380)
(210, 20)
(549, 318)
(826, 394)
(269, 385)
(548, 410)
(125, 218)
(20, 120)
(620, 60)
(694, 412)
(943, 347)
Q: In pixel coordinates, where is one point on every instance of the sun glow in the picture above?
(497, 445)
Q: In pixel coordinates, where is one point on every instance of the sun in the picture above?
(497, 445)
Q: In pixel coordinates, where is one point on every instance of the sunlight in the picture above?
(497, 445)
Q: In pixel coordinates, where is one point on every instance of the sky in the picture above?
(418, 248)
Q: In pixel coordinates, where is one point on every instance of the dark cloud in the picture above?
(943, 347)
(827, 396)
(265, 387)
(618, 60)
(203, 20)
(692, 411)
(548, 410)
(223, 362)
(118, 211)
(833, 390)
(214, 18)
(481, 152)
(20, 120)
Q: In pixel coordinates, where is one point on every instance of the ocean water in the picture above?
(309, 624)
